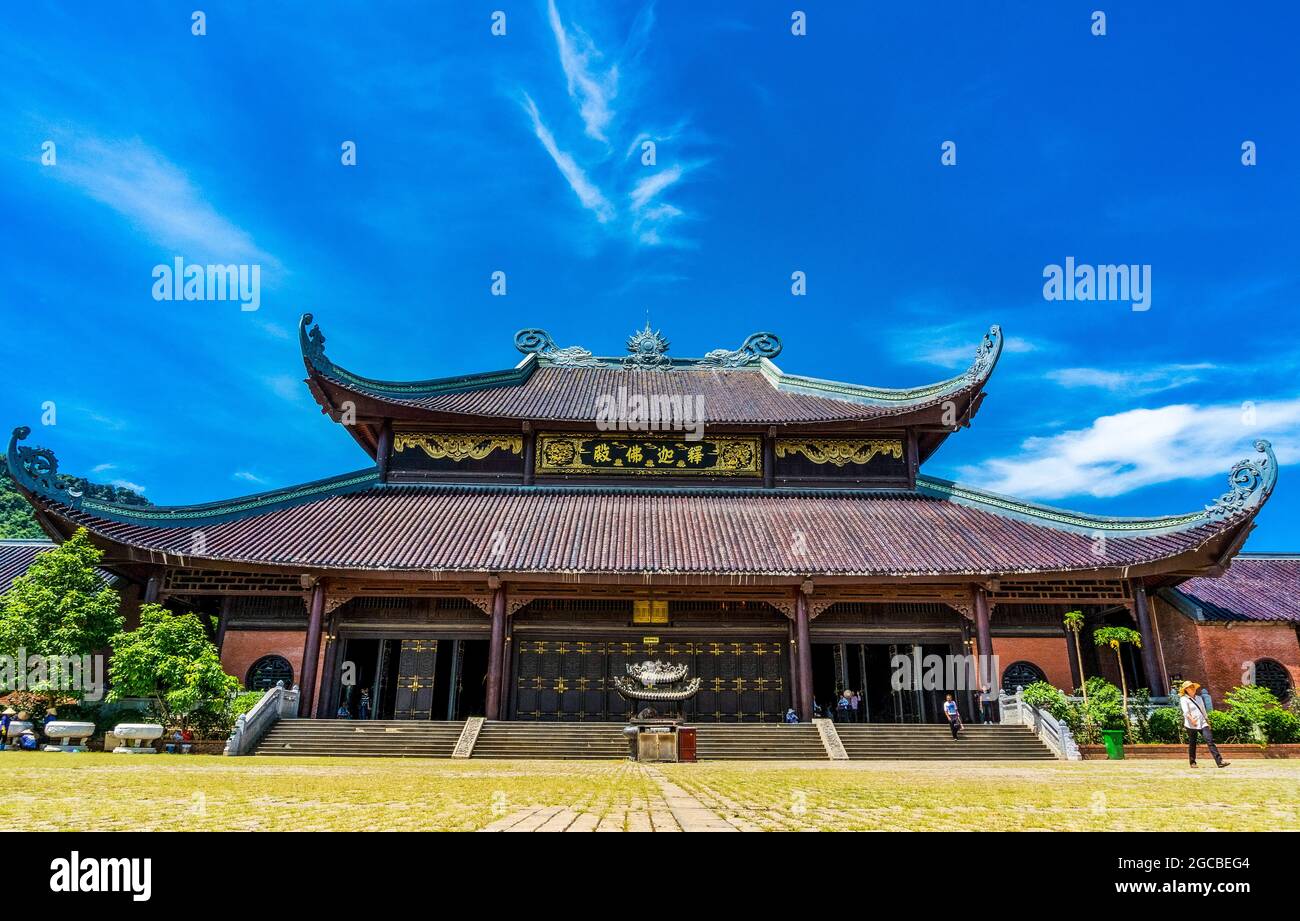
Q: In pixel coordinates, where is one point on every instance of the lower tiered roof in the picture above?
(357, 522)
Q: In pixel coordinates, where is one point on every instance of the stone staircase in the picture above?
(605, 741)
(354, 738)
(561, 741)
(759, 742)
(923, 742)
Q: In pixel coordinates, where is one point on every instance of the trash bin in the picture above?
(1114, 739)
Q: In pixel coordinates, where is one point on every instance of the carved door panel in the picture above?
(417, 660)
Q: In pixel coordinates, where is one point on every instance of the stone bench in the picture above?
(135, 735)
(72, 735)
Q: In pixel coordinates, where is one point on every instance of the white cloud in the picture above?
(1142, 447)
(1142, 382)
(591, 197)
(593, 92)
(286, 387)
(952, 346)
(156, 197)
(127, 484)
(249, 477)
(103, 468)
(652, 185)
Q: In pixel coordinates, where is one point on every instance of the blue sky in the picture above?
(775, 153)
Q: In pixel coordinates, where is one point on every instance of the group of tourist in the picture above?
(25, 739)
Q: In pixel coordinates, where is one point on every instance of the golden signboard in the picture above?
(740, 455)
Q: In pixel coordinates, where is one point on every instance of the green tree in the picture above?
(170, 659)
(16, 518)
(1115, 637)
(60, 607)
(1074, 623)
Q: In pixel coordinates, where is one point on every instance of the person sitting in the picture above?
(28, 741)
(791, 716)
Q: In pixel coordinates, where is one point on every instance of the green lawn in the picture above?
(1007, 796)
(104, 791)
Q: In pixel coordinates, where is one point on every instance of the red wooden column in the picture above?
(496, 650)
(983, 634)
(794, 668)
(805, 654)
(1150, 657)
(311, 650)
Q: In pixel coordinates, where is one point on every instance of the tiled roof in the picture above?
(17, 555)
(641, 531)
(547, 389)
(1264, 587)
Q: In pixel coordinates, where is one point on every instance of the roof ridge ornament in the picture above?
(539, 342)
(312, 342)
(986, 356)
(647, 350)
(757, 346)
(37, 469)
(1252, 481)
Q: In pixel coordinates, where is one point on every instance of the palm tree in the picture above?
(1074, 623)
(1114, 637)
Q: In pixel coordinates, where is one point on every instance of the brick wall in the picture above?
(241, 648)
(1049, 653)
(1213, 653)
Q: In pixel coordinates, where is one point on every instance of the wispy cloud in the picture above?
(1143, 447)
(286, 387)
(155, 196)
(951, 346)
(247, 477)
(591, 90)
(127, 484)
(618, 192)
(591, 197)
(1133, 383)
(103, 468)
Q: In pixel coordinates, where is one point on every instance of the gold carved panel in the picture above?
(456, 446)
(840, 452)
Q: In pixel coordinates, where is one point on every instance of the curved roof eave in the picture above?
(312, 343)
(1251, 482)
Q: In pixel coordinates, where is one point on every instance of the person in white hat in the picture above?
(1197, 723)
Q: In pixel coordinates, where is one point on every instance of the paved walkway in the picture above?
(672, 810)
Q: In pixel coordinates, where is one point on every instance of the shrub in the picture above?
(243, 702)
(1047, 697)
(1280, 726)
(1227, 727)
(1165, 725)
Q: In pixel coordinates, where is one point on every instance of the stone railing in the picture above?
(276, 704)
(1054, 734)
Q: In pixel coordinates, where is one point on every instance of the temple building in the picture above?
(518, 537)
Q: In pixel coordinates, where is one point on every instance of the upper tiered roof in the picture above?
(740, 387)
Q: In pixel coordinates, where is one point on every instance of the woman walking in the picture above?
(1197, 723)
(954, 716)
